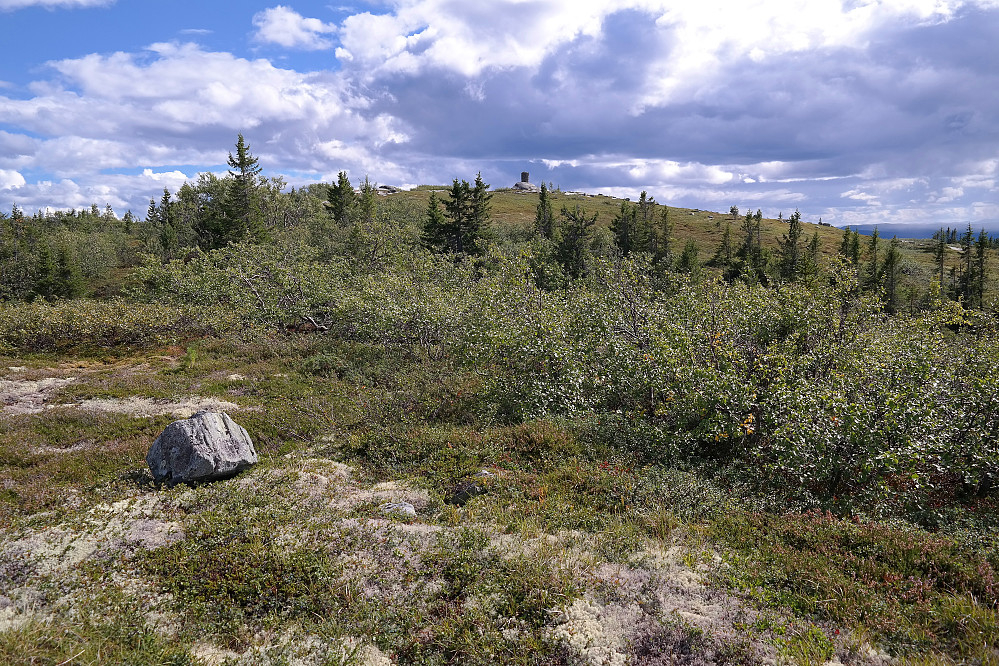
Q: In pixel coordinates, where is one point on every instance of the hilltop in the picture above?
(577, 441)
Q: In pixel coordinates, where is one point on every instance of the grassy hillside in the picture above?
(633, 466)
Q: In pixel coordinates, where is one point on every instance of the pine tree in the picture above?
(623, 227)
(367, 205)
(873, 268)
(245, 220)
(544, 218)
(790, 249)
(573, 241)
(435, 224)
(341, 200)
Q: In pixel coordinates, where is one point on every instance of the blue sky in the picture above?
(855, 111)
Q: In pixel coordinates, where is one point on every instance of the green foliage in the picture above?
(902, 585)
(80, 324)
(465, 215)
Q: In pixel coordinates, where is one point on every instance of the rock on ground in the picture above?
(205, 447)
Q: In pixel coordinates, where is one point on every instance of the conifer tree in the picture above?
(790, 248)
(623, 227)
(981, 261)
(367, 204)
(245, 220)
(663, 250)
(873, 268)
(480, 203)
(891, 270)
(435, 224)
(341, 200)
(544, 218)
(573, 241)
(939, 254)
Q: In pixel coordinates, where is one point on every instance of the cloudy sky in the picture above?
(856, 111)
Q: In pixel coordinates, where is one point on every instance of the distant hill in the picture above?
(924, 230)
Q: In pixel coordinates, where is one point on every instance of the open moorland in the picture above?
(496, 427)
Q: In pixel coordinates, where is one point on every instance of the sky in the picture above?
(852, 111)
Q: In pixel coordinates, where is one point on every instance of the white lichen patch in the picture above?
(132, 523)
(145, 407)
(596, 634)
(30, 396)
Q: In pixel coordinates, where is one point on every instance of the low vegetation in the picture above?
(619, 451)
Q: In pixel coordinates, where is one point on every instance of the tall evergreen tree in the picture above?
(573, 241)
(981, 262)
(790, 248)
(939, 254)
(466, 211)
(435, 232)
(662, 253)
(873, 267)
(623, 227)
(341, 200)
(244, 169)
(890, 271)
(544, 218)
(367, 205)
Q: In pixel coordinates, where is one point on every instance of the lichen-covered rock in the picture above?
(205, 447)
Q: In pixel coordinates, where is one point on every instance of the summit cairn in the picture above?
(525, 183)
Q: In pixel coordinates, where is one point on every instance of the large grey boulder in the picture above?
(205, 447)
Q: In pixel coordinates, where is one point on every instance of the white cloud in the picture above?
(6, 5)
(285, 27)
(10, 180)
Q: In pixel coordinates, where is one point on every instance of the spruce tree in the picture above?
(873, 268)
(245, 220)
(790, 248)
(623, 227)
(573, 241)
(341, 200)
(479, 205)
(663, 251)
(367, 205)
(435, 233)
(544, 218)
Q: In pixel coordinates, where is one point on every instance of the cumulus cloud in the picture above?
(285, 27)
(10, 180)
(841, 107)
(178, 104)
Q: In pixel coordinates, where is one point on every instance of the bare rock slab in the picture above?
(206, 447)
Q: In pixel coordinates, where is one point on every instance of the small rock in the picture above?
(205, 447)
(473, 486)
(400, 508)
